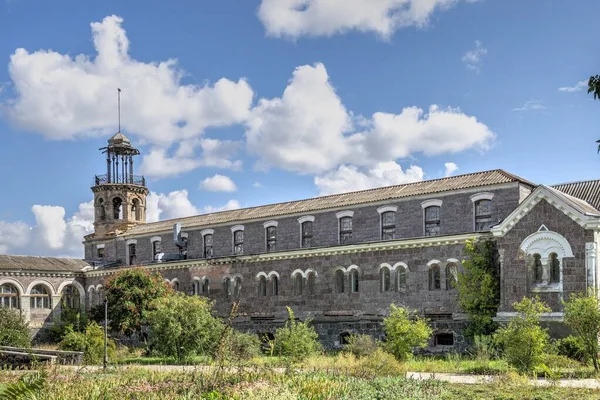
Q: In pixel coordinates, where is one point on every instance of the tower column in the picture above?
(108, 167)
(130, 169)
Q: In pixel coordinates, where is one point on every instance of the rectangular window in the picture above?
(238, 242)
(155, 249)
(208, 245)
(132, 254)
(271, 238)
(483, 215)
(307, 234)
(100, 251)
(432, 221)
(345, 230)
(388, 225)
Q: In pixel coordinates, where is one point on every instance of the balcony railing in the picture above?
(131, 180)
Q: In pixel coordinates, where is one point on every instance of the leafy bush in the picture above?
(403, 334)
(183, 326)
(296, 340)
(14, 331)
(68, 317)
(484, 348)
(361, 345)
(90, 341)
(29, 386)
(582, 315)
(523, 339)
(241, 346)
(572, 347)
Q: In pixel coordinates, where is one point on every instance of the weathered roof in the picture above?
(588, 191)
(119, 138)
(580, 205)
(35, 263)
(478, 179)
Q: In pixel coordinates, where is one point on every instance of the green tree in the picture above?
(183, 326)
(523, 339)
(582, 315)
(404, 333)
(129, 294)
(14, 331)
(90, 341)
(297, 340)
(479, 286)
(594, 87)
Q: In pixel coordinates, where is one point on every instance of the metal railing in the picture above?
(131, 180)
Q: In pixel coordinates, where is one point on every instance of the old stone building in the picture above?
(341, 259)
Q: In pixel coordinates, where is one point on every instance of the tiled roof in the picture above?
(580, 205)
(478, 179)
(588, 191)
(33, 263)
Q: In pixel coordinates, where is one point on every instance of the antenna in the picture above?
(119, 102)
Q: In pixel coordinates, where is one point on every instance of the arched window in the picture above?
(354, 281)
(388, 225)
(70, 297)
(345, 230)
(538, 269)
(451, 276)
(205, 287)
(39, 297)
(339, 281)
(227, 287)
(208, 245)
(432, 221)
(93, 297)
(384, 279)
(307, 234)
(101, 209)
(237, 287)
(483, 215)
(310, 282)
(271, 238)
(401, 277)
(238, 242)
(554, 268)
(9, 296)
(197, 287)
(131, 248)
(434, 277)
(274, 286)
(262, 286)
(135, 209)
(117, 208)
(175, 285)
(155, 249)
(298, 284)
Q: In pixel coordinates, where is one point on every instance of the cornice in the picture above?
(47, 274)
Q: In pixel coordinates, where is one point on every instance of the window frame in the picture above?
(235, 229)
(45, 299)
(435, 275)
(128, 247)
(156, 249)
(270, 243)
(204, 234)
(385, 210)
(427, 204)
(354, 277)
(301, 221)
(477, 198)
(12, 298)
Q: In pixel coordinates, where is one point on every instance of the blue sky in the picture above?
(281, 103)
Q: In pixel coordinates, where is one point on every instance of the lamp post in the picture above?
(105, 332)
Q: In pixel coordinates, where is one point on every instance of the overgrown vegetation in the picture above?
(361, 345)
(523, 340)
(14, 331)
(479, 286)
(582, 315)
(404, 333)
(90, 342)
(296, 340)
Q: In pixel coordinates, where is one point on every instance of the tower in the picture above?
(119, 195)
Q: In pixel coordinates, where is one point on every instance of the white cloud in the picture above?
(531, 105)
(230, 205)
(13, 235)
(348, 178)
(474, 58)
(51, 224)
(64, 97)
(176, 204)
(218, 183)
(257, 184)
(451, 168)
(308, 129)
(578, 87)
(295, 18)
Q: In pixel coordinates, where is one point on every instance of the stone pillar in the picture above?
(590, 265)
(25, 305)
(545, 271)
(502, 284)
(56, 308)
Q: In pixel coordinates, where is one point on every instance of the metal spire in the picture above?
(119, 101)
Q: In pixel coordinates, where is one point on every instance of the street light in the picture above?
(105, 332)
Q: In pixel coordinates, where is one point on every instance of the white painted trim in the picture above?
(269, 224)
(306, 218)
(237, 228)
(155, 239)
(296, 272)
(541, 242)
(98, 287)
(453, 261)
(482, 196)
(383, 209)
(432, 262)
(431, 202)
(261, 275)
(205, 232)
(90, 288)
(273, 274)
(130, 241)
(400, 264)
(41, 282)
(79, 287)
(175, 280)
(384, 265)
(14, 283)
(345, 213)
(127, 243)
(100, 246)
(353, 267)
(184, 235)
(310, 270)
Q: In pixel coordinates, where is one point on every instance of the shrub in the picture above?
(296, 340)
(572, 347)
(14, 331)
(361, 345)
(183, 326)
(484, 348)
(68, 317)
(523, 339)
(582, 315)
(90, 341)
(403, 334)
(241, 346)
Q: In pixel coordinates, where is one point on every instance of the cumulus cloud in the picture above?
(64, 97)
(218, 183)
(13, 235)
(295, 18)
(451, 168)
(474, 58)
(531, 105)
(308, 129)
(230, 205)
(348, 178)
(176, 204)
(578, 87)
